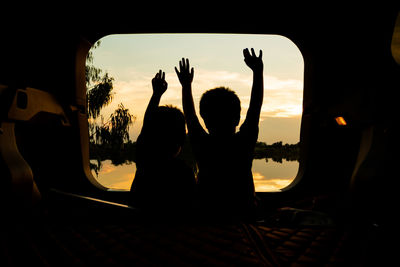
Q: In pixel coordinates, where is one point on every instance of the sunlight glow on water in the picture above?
(268, 176)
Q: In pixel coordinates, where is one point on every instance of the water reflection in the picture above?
(273, 176)
(116, 177)
(268, 176)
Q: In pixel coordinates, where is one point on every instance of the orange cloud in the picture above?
(258, 176)
(271, 185)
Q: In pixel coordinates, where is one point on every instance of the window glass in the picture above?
(119, 72)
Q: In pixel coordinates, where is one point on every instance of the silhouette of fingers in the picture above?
(184, 65)
(159, 75)
(185, 73)
(187, 64)
(180, 66)
(246, 53)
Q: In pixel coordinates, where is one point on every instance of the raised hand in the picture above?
(252, 61)
(159, 83)
(184, 75)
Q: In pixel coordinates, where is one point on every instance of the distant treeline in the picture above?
(127, 153)
(277, 151)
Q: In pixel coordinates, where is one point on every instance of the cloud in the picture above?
(282, 97)
(258, 176)
(274, 83)
(271, 185)
(106, 168)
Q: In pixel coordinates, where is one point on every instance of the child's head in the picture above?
(220, 110)
(168, 130)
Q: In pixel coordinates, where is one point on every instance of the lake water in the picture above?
(268, 176)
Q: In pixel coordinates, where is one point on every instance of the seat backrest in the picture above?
(17, 180)
(373, 186)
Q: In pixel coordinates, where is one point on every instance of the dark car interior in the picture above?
(339, 211)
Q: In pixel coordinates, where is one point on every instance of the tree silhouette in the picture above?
(99, 96)
(99, 87)
(112, 134)
(277, 151)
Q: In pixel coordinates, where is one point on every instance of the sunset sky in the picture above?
(133, 60)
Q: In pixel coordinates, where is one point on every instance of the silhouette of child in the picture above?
(224, 156)
(162, 180)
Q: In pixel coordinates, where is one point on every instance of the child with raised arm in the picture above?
(163, 182)
(224, 156)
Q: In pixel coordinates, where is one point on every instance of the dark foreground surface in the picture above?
(73, 231)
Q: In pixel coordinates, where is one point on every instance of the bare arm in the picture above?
(159, 87)
(257, 92)
(185, 78)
